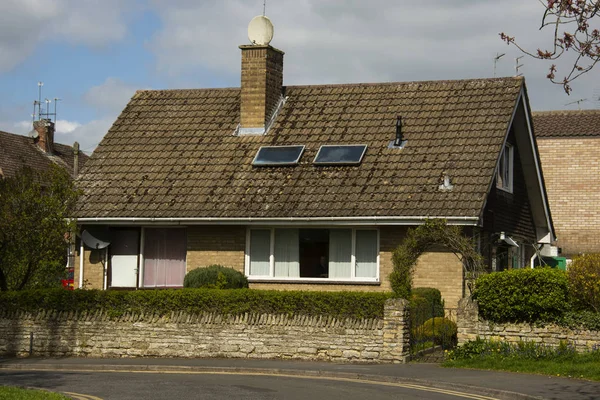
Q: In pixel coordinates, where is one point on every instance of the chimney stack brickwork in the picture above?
(262, 82)
(45, 130)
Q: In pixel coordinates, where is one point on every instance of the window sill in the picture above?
(313, 281)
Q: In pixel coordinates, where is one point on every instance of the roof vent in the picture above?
(446, 183)
(398, 142)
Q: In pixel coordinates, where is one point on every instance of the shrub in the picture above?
(522, 295)
(215, 277)
(442, 330)
(427, 300)
(584, 282)
(356, 305)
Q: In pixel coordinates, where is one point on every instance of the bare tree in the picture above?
(571, 21)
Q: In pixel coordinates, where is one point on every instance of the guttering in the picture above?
(368, 220)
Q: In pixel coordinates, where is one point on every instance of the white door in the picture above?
(124, 250)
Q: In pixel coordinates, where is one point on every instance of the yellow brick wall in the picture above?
(571, 168)
(224, 245)
(442, 270)
(93, 269)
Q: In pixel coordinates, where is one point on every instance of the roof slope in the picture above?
(565, 123)
(173, 153)
(17, 151)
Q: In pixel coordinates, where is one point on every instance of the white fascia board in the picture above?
(328, 221)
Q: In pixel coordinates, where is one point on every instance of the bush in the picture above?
(581, 320)
(584, 282)
(522, 295)
(427, 301)
(356, 305)
(442, 330)
(215, 277)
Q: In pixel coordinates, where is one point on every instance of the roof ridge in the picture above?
(356, 84)
(559, 112)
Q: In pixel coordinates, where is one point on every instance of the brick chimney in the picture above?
(45, 139)
(262, 82)
(262, 78)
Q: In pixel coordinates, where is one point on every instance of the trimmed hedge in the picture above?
(427, 301)
(523, 295)
(215, 277)
(357, 305)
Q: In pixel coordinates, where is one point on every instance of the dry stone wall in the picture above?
(470, 327)
(55, 334)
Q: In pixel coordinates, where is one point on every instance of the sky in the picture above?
(94, 55)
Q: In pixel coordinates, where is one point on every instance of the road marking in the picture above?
(79, 396)
(355, 380)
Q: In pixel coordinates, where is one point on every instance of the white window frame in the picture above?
(508, 169)
(272, 278)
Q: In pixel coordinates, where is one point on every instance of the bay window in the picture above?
(335, 254)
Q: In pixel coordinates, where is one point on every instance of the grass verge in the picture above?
(13, 393)
(527, 357)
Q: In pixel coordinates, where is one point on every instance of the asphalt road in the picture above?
(180, 386)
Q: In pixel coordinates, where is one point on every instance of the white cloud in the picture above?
(332, 41)
(111, 96)
(26, 23)
(64, 127)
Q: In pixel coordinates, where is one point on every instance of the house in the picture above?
(569, 146)
(39, 152)
(310, 187)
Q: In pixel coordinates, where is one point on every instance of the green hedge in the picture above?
(427, 301)
(523, 295)
(215, 277)
(227, 302)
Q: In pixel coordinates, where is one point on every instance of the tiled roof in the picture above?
(173, 153)
(18, 151)
(566, 123)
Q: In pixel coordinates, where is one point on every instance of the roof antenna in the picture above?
(518, 66)
(578, 103)
(498, 56)
(264, 7)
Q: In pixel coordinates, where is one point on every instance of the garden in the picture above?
(539, 297)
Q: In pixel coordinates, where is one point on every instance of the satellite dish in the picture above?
(260, 30)
(96, 237)
(33, 134)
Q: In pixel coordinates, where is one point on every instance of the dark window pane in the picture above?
(351, 154)
(278, 155)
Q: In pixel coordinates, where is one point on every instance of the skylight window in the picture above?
(278, 155)
(340, 155)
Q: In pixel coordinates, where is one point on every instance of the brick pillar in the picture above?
(396, 331)
(262, 82)
(467, 320)
(45, 130)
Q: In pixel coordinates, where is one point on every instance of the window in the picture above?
(504, 177)
(344, 155)
(278, 155)
(334, 254)
(164, 257)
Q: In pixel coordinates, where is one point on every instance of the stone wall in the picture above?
(470, 327)
(208, 335)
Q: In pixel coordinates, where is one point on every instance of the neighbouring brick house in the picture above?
(569, 146)
(310, 187)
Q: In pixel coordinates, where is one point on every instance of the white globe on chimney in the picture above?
(260, 30)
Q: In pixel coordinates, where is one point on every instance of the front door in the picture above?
(124, 250)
